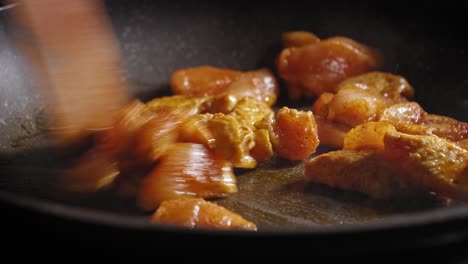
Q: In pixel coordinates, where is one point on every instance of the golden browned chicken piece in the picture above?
(233, 139)
(187, 170)
(202, 80)
(198, 213)
(368, 172)
(435, 163)
(368, 136)
(371, 135)
(296, 134)
(233, 132)
(209, 81)
(319, 67)
(298, 39)
(250, 111)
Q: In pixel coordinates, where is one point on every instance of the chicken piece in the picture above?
(298, 39)
(331, 133)
(233, 139)
(263, 149)
(156, 136)
(95, 170)
(198, 213)
(187, 170)
(221, 104)
(407, 113)
(101, 166)
(463, 144)
(250, 111)
(209, 81)
(260, 84)
(321, 105)
(128, 121)
(391, 86)
(320, 67)
(195, 130)
(296, 133)
(413, 129)
(188, 104)
(446, 127)
(371, 135)
(202, 80)
(432, 162)
(353, 106)
(413, 113)
(367, 172)
(367, 136)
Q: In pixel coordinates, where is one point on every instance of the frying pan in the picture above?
(158, 37)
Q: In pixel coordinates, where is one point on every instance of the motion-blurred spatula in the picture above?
(77, 60)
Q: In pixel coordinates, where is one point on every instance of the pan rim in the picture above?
(404, 221)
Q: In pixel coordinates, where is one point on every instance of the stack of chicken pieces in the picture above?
(389, 145)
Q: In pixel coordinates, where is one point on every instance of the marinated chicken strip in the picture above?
(320, 67)
(432, 162)
(393, 87)
(156, 136)
(353, 106)
(202, 80)
(407, 113)
(195, 130)
(187, 170)
(99, 167)
(260, 84)
(298, 39)
(209, 81)
(198, 213)
(368, 172)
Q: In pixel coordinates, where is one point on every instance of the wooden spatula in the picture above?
(77, 60)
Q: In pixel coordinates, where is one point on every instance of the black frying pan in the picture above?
(157, 37)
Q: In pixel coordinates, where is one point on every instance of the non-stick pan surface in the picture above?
(158, 37)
